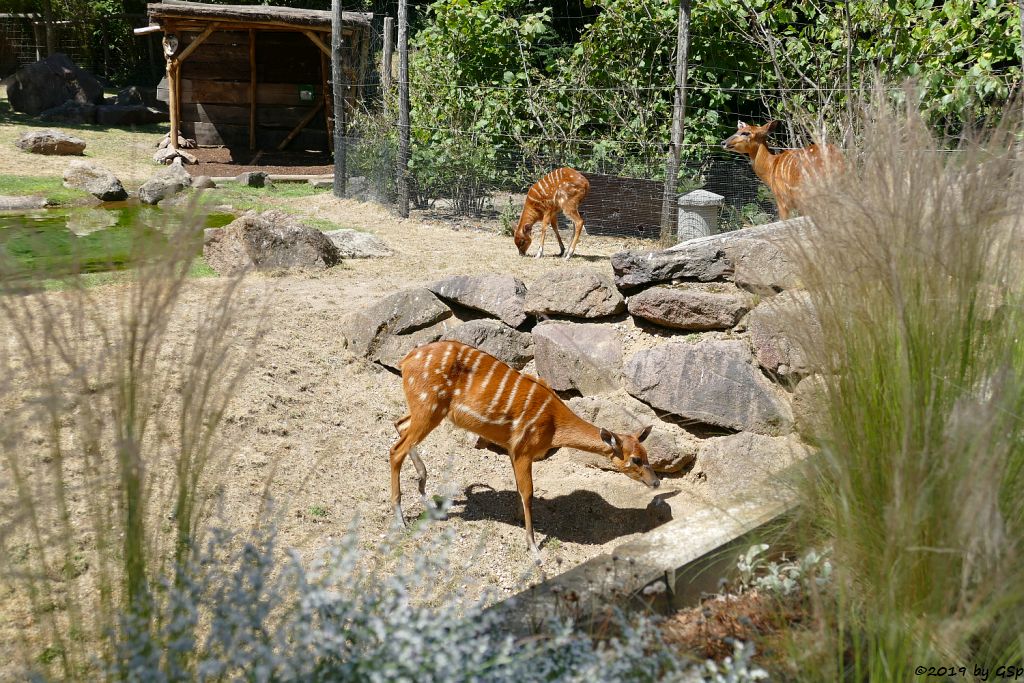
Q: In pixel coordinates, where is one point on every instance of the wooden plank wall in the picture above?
(215, 89)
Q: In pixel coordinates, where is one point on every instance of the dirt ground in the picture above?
(322, 418)
(221, 161)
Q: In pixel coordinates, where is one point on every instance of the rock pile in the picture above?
(692, 340)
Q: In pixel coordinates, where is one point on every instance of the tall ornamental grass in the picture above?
(109, 458)
(914, 269)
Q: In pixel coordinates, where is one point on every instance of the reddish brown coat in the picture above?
(561, 190)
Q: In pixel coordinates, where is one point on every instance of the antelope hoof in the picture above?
(539, 254)
(400, 518)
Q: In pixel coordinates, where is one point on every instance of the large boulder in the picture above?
(771, 327)
(711, 382)
(386, 331)
(690, 307)
(49, 83)
(94, 179)
(128, 115)
(267, 241)
(496, 338)
(585, 357)
(701, 261)
(70, 112)
(736, 463)
(762, 265)
(670, 448)
(810, 411)
(358, 244)
(165, 183)
(501, 296)
(51, 142)
(574, 293)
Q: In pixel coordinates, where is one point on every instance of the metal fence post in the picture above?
(403, 109)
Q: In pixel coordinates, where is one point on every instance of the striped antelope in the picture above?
(561, 190)
(517, 412)
(785, 172)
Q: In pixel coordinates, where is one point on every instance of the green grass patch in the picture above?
(41, 186)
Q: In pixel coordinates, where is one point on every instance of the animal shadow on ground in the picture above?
(578, 517)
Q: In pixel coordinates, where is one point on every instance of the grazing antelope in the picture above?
(517, 412)
(561, 190)
(785, 172)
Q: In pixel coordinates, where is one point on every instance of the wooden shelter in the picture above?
(255, 75)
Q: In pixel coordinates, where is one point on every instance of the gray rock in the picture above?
(773, 326)
(252, 179)
(51, 142)
(762, 265)
(8, 203)
(358, 244)
(266, 241)
(94, 179)
(809, 408)
(586, 357)
(183, 142)
(701, 261)
(128, 96)
(712, 382)
(165, 183)
(203, 182)
(688, 308)
(167, 155)
(574, 293)
(738, 462)
(496, 338)
(389, 329)
(670, 448)
(321, 184)
(49, 83)
(70, 112)
(129, 115)
(501, 296)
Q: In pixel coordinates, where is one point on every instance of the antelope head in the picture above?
(748, 138)
(630, 456)
(522, 239)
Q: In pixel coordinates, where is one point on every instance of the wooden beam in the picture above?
(325, 67)
(252, 89)
(172, 101)
(146, 30)
(319, 43)
(196, 42)
(302, 124)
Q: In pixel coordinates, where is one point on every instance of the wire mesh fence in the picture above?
(460, 163)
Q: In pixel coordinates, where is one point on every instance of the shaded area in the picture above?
(225, 161)
(579, 517)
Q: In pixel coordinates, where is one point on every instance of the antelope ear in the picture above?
(772, 125)
(612, 441)
(644, 433)
(740, 125)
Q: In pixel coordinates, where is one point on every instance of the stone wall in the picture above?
(691, 339)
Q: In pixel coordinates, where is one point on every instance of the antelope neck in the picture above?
(764, 162)
(574, 432)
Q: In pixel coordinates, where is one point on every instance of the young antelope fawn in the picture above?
(561, 190)
(517, 412)
(784, 173)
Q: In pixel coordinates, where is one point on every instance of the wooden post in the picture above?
(403, 109)
(669, 208)
(389, 48)
(325, 85)
(170, 43)
(252, 89)
(340, 81)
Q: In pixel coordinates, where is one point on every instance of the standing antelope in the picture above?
(785, 172)
(517, 412)
(561, 190)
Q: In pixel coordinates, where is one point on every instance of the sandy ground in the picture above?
(322, 419)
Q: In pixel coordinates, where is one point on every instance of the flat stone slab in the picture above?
(501, 296)
(772, 328)
(574, 294)
(414, 315)
(9, 203)
(585, 357)
(496, 338)
(686, 308)
(700, 262)
(712, 382)
(358, 244)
